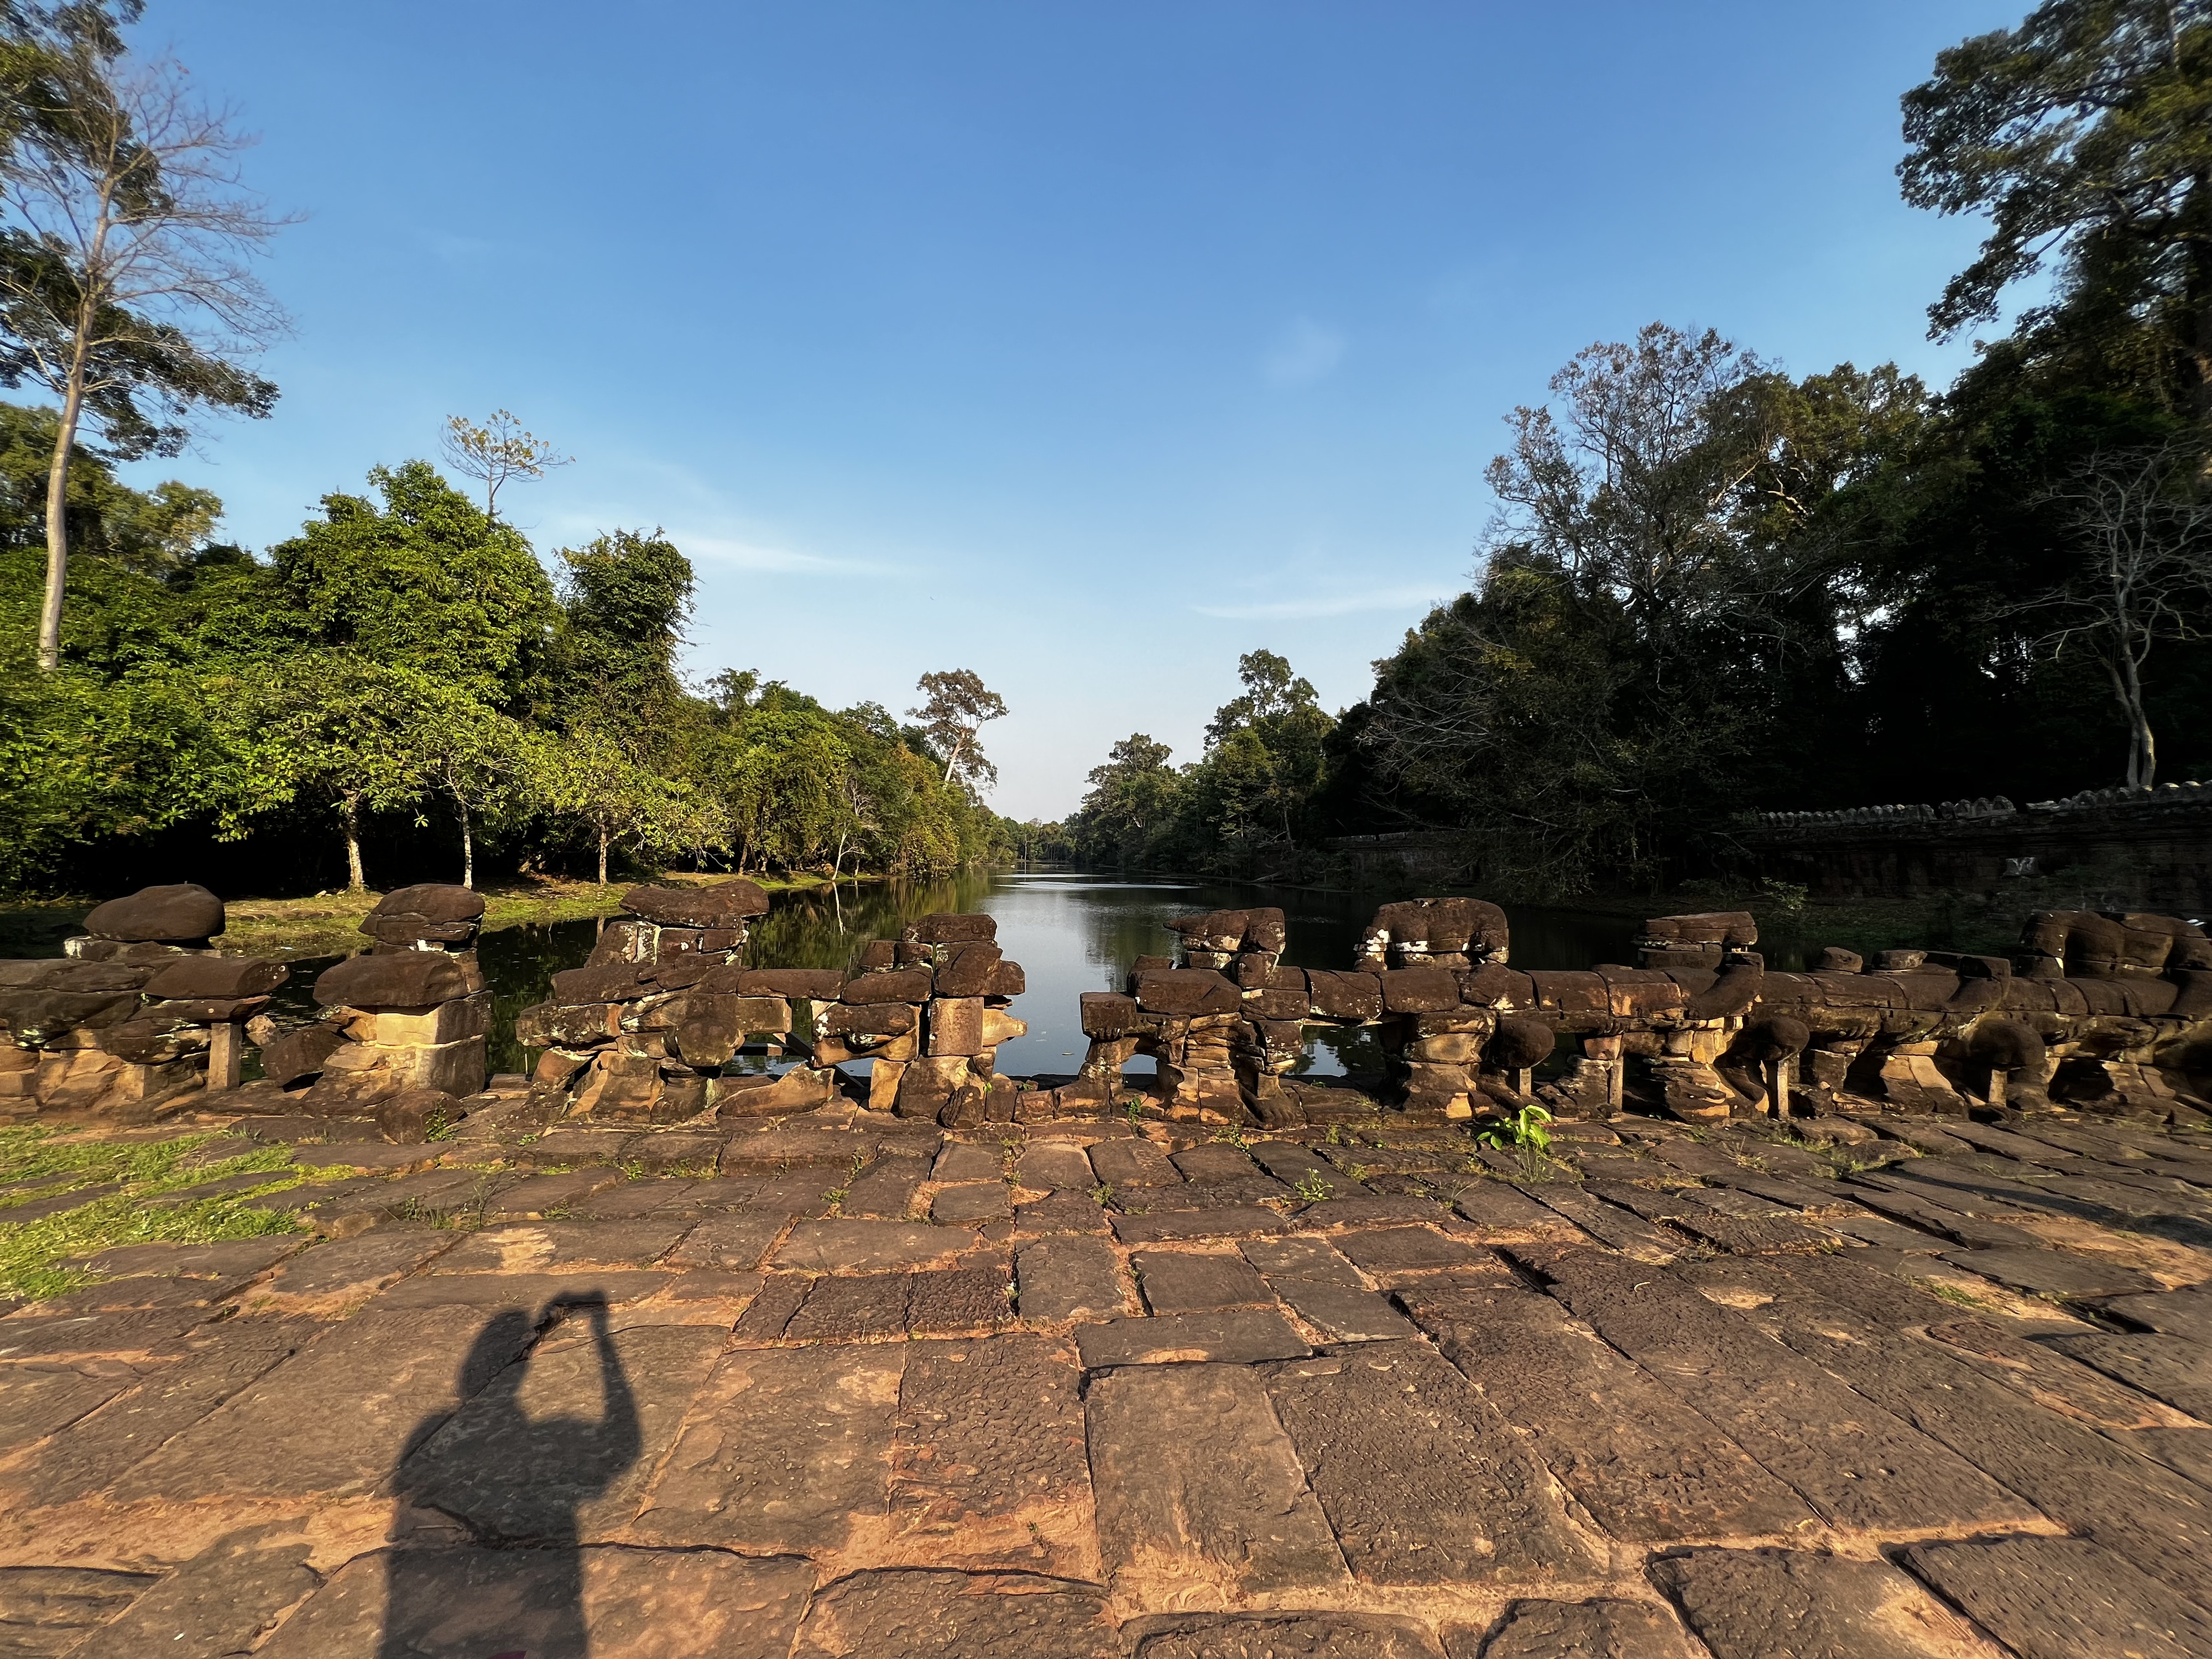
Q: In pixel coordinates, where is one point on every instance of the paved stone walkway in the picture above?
(843, 1385)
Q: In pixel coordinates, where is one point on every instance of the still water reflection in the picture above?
(1071, 933)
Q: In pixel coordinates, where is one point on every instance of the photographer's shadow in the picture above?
(517, 1481)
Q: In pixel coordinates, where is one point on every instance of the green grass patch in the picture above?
(32, 1253)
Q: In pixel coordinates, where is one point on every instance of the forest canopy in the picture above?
(1712, 587)
(403, 688)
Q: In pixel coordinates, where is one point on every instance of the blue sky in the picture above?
(1084, 346)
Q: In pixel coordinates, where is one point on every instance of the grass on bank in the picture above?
(329, 924)
(34, 1164)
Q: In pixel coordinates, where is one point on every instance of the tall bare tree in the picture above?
(125, 236)
(2146, 575)
(497, 451)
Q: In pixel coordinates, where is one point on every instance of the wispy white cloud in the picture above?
(1305, 352)
(1325, 604)
(736, 555)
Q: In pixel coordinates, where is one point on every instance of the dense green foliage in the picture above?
(400, 684)
(1712, 587)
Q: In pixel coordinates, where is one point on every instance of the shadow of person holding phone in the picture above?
(516, 1482)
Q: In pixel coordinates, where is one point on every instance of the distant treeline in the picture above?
(1713, 587)
(404, 690)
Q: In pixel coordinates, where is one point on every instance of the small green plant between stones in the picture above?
(1312, 1189)
(1524, 1131)
(1230, 1135)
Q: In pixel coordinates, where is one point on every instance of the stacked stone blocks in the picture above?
(138, 1015)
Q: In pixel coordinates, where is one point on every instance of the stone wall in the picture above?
(2147, 849)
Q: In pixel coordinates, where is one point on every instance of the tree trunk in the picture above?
(468, 848)
(349, 817)
(953, 759)
(50, 616)
(603, 856)
(2143, 744)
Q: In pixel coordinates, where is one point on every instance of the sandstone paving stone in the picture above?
(336, 1419)
(770, 1311)
(1413, 1249)
(220, 1602)
(968, 1160)
(2175, 1369)
(161, 1334)
(1201, 1501)
(970, 1301)
(1647, 1467)
(559, 1445)
(1065, 1278)
(236, 1260)
(562, 1246)
(1227, 1221)
(1886, 1235)
(1923, 1212)
(143, 1292)
(1313, 1259)
(1054, 1166)
(1856, 1464)
(785, 1450)
(2063, 1598)
(650, 1195)
(605, 1602)
(1182, 1281)
(971, 1203)
(2185, 1451)
(1060, 1212)
(1133, 1163)
(1364, 1209)
(2052, 1272)
(1281, 1635)
(164, 1401)
(1200, 1195)
(833, 1247)
(548, 1194)
(730, 1243)
(988, 1465)
(2051, 1379)
(2084, 1480)
(36, 1400)
(1765, 1604)
(1341, 1314)
(885, 1188)
(1608, 1223)
(921, 1614)
(1422, 1481)
(49, 1610)
(1599, 1629)
(1242, 1337)
(532, 1295)
(850, 1310)
(795, 1195)
(2176, 1313)
(1499, 1208)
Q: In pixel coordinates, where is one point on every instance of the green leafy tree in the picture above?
(479, 761)
(1131, 806)
(423, 580)
(336, 727)
(2085, 133)
(124, 240)
(587, 776)
(956, 706)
